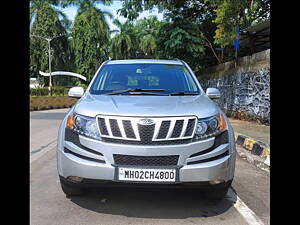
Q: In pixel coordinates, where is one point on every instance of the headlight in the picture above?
(83, 125)
(210, 127)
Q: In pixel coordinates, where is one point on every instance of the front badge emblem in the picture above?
(146, 122)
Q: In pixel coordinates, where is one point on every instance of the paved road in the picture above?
(44, 127)
(250, 193)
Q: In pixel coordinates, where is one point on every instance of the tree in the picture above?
(233, 13)
(147, 34)
(47, 23)
(83, 5)
(181, 39)
(36, 5)
(187, 31)
(217, 19)
(123, 44)
(90, 40)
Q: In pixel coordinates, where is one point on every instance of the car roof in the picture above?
(134, 61)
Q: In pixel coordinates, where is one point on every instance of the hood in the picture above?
(146, 106)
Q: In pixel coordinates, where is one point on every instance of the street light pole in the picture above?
(49, 53)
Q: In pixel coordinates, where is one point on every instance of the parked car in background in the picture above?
(34, 83)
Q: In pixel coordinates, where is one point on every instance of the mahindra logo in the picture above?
(146, 122)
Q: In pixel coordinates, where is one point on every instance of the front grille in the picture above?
(131, 160)
(146, 133)
(159, 131)
(129, 142)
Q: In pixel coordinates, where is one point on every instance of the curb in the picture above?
(49, 107)
(256, 147)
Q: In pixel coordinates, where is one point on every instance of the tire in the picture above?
(218, 193)
(70, 189)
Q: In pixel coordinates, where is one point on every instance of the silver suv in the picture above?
(145, 123)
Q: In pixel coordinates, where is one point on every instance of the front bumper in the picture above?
(102, 168)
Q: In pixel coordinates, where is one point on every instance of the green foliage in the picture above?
(181, 39)
(59, 91)
(84, 86)
(40, 91)
(124, 43)
(192, 30)
(47, 24)
(230, 13)
(90, 41)
(36, 5)
(180, 34)
(147, 33)
(44, 91)
(216, 20)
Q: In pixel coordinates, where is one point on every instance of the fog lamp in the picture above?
(217, 181)
(76, 179)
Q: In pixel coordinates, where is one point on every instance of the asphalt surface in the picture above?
(44, 127)
(48, 204)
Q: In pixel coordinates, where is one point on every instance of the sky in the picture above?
(71, 13)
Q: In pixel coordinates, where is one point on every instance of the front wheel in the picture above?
(218, 193)
(70, 189)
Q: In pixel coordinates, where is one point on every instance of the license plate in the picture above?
(143, 174)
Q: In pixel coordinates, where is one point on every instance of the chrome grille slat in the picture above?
(134, 125)
(157, 128)
(185, 123)
(128, 128)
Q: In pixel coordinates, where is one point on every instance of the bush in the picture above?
(44, 91)
(84, 86)
(40, 91)
(59, 91)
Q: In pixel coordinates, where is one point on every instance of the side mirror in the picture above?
(76, 92)
(213, 93)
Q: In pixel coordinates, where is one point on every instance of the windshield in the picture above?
(165, 78)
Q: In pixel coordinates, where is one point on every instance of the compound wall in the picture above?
(244, 86)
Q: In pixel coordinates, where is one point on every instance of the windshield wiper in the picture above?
(183, 93)
(135, 90)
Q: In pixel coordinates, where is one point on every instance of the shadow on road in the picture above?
(160, 203)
